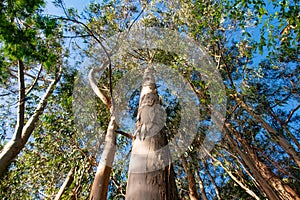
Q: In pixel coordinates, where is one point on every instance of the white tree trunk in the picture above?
(151, 175)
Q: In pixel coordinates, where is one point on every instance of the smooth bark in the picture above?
(100, 185)
(94, 86)
(101, 181)
(21, 102)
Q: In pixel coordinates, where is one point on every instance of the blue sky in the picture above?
(78, 4)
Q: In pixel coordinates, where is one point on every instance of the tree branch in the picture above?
(21, 102)
(35, 81)
(94, 86)
(13, 147)
(246, 188)
(77, 36)
(126, 134)
(31, 123)
(191, 180)
(291, 114)
(65, 185)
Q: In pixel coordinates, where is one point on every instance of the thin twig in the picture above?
(35, 81)
(291, 114)
(125, 134)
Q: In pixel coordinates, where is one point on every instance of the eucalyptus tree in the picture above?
(248, 41)
(32, 64)
(254, 45)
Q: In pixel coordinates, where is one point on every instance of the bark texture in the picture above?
(151, 175)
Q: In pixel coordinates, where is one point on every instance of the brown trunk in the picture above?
(267, 180)
(100, 185)
(212, 181)
(16, 144)
(191, 180)
(151, 175)
(289, 149)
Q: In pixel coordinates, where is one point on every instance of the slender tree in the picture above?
(26, 40)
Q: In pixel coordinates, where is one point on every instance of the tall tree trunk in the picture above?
(269, 183)
(279, 138)
(151, 175)
(202, 188)
(17, 143)
(101, 181)
(267, 180)
(191, 180)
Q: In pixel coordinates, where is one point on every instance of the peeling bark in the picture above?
(151, 175)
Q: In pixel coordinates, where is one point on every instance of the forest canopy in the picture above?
(72, 97)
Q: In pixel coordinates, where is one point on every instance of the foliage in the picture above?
(254, 44)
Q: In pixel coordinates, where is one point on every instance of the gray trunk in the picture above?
(151, 175)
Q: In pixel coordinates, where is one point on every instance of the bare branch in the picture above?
(21, 102)
(94, 86)
(242, 185)
(291, 114)
(65, 185)
(77, 36)
(35, 81)
(31, 123)
(29, 75)
(125, 134)
(90, 32)
(5, 94)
